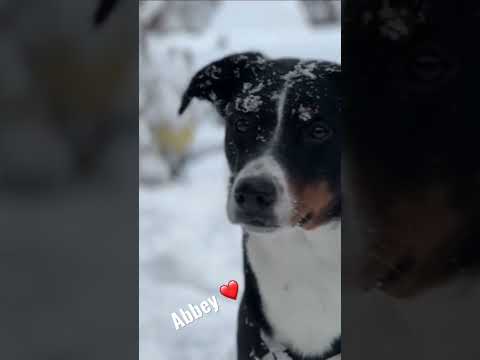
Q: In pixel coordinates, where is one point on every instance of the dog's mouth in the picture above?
(392, 279)
(304, 220)
(259, 229)
(309, 219)
(260, 225)
(257, 221)
(257, 224)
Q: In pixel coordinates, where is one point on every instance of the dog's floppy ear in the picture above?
(220, 80)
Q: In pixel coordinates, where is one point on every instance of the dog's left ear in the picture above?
(219, 81)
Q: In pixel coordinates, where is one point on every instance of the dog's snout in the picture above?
(255, 194)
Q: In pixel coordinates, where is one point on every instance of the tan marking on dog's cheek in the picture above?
(311, 198)
(422, 228)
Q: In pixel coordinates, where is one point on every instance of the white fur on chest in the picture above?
(299, 279)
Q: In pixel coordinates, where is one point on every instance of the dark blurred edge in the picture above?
(68, 180)
(411, 229)
(105, 8)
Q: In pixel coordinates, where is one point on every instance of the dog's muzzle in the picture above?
(254, 200)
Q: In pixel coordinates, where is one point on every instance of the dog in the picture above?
(282, 145)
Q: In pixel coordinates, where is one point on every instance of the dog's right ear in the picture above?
(219, 81)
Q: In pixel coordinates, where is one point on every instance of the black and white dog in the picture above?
(283, 148)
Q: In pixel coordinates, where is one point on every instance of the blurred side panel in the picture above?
(68, 180)
(410, 248)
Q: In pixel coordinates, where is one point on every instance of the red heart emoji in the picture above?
(230, 290)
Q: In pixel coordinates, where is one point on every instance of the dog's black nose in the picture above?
(255, 194)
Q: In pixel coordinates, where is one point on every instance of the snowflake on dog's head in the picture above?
(305, 113)
(250, 103)
(302, 69)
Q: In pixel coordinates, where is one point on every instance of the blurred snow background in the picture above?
(187, 247)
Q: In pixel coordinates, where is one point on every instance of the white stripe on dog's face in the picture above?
(266, 166)
(280, 112)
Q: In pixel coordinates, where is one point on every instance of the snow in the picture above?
(277, 351)
(250, 103)
(302, 70)
(187, 246)
(393, 21)
(304, 113)
(187, 250)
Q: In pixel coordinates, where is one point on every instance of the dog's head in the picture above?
(282, 138)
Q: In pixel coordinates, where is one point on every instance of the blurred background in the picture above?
(68, 180)
(187, 247)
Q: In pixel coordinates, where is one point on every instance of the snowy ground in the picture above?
(187, 247)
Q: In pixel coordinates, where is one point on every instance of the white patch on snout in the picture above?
(267, 167)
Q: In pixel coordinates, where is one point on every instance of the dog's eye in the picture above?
(431, 65)
(319, 132)
(242, 125)
(427, 67)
